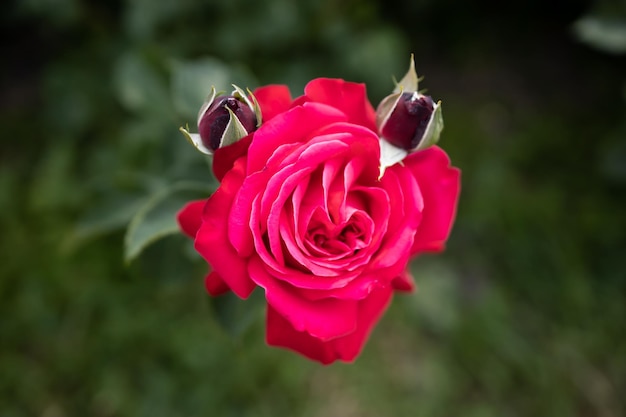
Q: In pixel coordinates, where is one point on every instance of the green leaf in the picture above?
(157, 217)
(114, 214)
(54, 186)
(139, 86)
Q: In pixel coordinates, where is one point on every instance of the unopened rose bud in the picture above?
(215, 120)
(225, 119)
(407, 120)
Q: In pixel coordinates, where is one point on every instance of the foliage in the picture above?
(523, 315)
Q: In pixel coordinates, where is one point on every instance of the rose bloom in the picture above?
(302, 213)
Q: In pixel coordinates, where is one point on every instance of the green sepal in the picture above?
(207, 103)
(234, 130)
(250, 100)
(385, 108)
(433, 130)
(389, 155)
(410, 81)
(257, 109)
(195, 140)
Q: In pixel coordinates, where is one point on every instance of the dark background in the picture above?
(523, 315)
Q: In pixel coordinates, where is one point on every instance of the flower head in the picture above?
(313, 209)
(304, 212)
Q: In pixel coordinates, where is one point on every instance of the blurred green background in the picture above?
(524, 314)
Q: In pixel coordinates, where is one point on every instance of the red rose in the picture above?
(302, 213)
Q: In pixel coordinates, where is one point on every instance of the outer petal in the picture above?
(404, 282)
(215, 285)
(440, 187)
(212, 237)
(406, 203)
(325, 319)
(350, 98)
(273, 99)
(293, 126)
(370, 311)
(190, 217)
(281, 333)
(224, 158)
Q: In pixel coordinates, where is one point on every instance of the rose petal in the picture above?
(239, 231)
(212, 237)
(370, 311)
(364, 148)
(224, 158)
(279, 269)
(215, 285)
(273, 99)
(404, 282)
(324, 319)
(190, 217)
(405, 200)
(279, 188)
(295, 125)
(281, 333)
(334, 193)
(282, 184)
(357, 288)
(349, 97)
(440, 185)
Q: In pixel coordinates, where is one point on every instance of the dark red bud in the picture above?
(408, 121)
(216, 118)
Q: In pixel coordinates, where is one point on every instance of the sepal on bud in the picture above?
(223, 120)
(407, 120)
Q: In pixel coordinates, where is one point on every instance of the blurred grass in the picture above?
(523, 315)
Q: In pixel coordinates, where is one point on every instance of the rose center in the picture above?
(325, 238)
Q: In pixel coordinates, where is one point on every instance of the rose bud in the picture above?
(407, 120)
(215, 120)
(223, 120)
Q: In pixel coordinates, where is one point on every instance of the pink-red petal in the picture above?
(295, 125)
(273, 100)
(212, 237)
(190, 217)
(405, 201)
(215, 285)
(324, 319)
(370, 311)
(440, 185)
(281, 333)
(404, 282)
(224, 158)
(349, 97)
